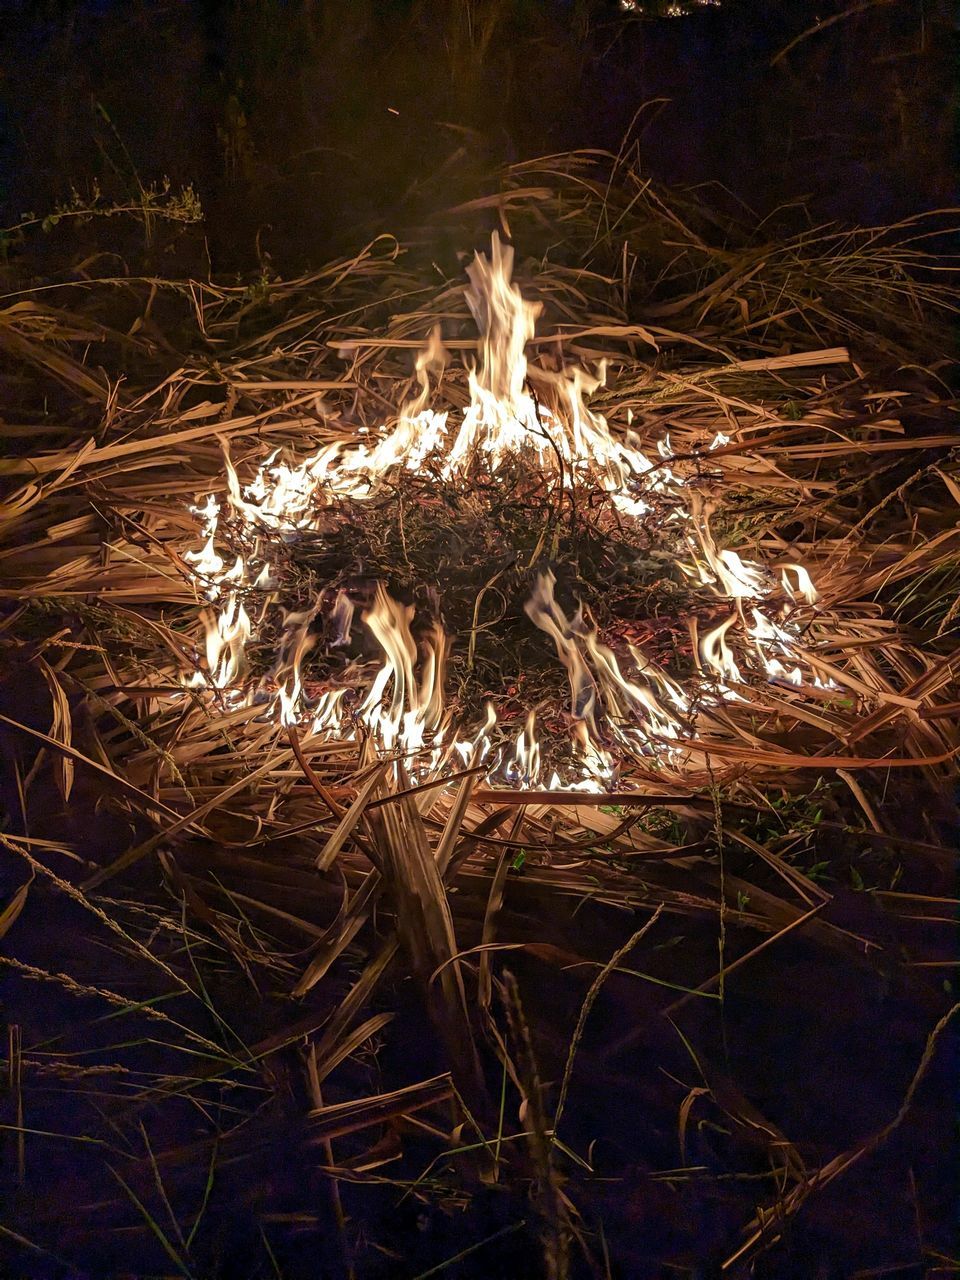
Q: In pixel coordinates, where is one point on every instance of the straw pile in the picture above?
(248, 903)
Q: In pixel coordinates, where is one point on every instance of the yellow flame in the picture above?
(415, 710)
(765, 635)
(523, 765)
(632, 709)
(226, 637)
(804, 588)
(717, 654)
(544, 612)
(722, 569)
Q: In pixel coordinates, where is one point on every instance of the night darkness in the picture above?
(479, 807)
(305, 123)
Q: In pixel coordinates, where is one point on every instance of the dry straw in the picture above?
(323, 880)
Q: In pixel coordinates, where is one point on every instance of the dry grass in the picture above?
(273, 893)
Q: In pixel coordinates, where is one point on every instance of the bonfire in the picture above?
(593, 482)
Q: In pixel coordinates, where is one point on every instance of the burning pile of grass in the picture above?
(316, 527)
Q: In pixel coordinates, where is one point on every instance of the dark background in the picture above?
(278, 111)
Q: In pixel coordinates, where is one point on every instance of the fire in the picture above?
(718, 656)
(523, 765)
(804, 588)
(502, 416)
(619, 705)
(415, 712)
(227, 637)
(604, 703)
(207, 563)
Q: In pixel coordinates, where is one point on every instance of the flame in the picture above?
(631, 711)
(724, 570)
(295, 643)
(635, 710)
(766, 634)
(502, 416)
(523, 766)
(804, 588)
(207, 562)
(328, 714)
(597, 765)
(285, 497)
(717, 654)
(544, 612)
(419, 431)
(226, 638)
(342, 618)
(415, 711)
(475, 750)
